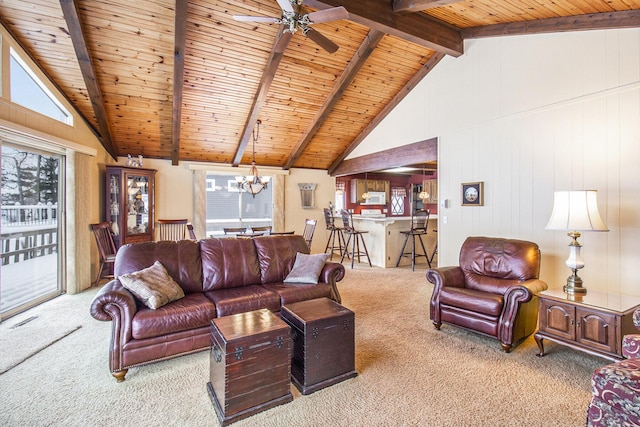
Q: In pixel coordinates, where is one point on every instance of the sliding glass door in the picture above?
(31, 228)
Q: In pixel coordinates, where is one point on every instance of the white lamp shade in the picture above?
(576, 211)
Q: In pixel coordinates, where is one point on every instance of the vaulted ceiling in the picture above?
(182, 80)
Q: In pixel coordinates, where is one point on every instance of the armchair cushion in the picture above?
(470, 299)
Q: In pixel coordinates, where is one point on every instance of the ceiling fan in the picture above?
(293, 20)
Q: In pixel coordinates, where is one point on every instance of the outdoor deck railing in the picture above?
(21, 215)
(28, 244)
(28, 231)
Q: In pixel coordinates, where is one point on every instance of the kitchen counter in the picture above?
(384, 238)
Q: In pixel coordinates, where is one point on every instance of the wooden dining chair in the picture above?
(234, 230)
(106, 249)
(264, 229)
(309, 228)
(175, 229)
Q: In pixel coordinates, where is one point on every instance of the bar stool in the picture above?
(333, 233)
(347, 220)
(419, 222)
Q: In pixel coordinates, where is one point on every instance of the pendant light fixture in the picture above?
(366, 196)
(253, 183)
(424, 195)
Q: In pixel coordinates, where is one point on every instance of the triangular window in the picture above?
(29, 91)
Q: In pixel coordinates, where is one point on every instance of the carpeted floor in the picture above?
(409, 374)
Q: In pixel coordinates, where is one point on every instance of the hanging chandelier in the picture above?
(253, 183)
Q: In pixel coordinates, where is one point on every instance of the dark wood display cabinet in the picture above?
(593, 323)
(130, 204)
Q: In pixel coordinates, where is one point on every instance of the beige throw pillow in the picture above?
(306, 268)
(152, 285)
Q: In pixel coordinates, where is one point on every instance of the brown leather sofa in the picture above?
(219, 277)
(493, 290)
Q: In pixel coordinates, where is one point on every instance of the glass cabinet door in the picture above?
(137, 203)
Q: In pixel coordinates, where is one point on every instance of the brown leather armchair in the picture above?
(493, 291)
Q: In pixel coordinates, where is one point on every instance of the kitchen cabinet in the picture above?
(594, 323)
(130, 204)
(360, 186)
(431, 187)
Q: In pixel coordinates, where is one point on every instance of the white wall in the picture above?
(528, 115)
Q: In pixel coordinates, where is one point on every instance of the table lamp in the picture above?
(575, 211)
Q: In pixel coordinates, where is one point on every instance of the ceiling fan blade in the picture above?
(282, 43)
(321, 40)
(333, 14)
(245, 18)
(286, 6)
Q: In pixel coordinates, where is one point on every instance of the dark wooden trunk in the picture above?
(323, 335)
(250, 364)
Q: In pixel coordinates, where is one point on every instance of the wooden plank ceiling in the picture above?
(116, 61)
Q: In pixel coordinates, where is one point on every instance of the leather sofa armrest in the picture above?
(115, 303)
(445, 276)
(442, 277)
(514, 297)
(521, 293)
(631, 346)
(332, 273)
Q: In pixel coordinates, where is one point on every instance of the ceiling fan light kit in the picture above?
(294, 20)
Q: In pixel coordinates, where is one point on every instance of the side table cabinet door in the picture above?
(558, 319)
(597, 330)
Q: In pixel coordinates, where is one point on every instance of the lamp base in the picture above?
(574, 285)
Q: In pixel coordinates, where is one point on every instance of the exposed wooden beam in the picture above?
(412, 83)
(72, 18)
(417, 152)
(404, 6)
(355, 64)
(279, 46)
(418, 28)
(178, 77)
(592, 21)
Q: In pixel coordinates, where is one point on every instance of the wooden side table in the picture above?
(250, 364)
(323, 343)
(593, 323)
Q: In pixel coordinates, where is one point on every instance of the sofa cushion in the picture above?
(306, 268)
(153, 286)
(291, 293)
(180, 258)
(242, 299)
(276, 255)
(191, 312)
(229, 263)
(472, 300)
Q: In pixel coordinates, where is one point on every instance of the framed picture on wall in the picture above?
(473, 194)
